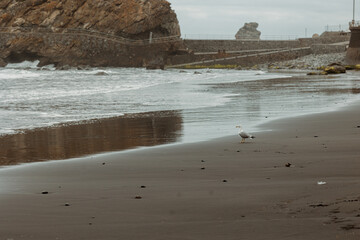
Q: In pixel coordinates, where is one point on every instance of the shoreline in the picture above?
(225, 93)
(160, 143)
(218, 189)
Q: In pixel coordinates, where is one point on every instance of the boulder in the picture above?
(101, 74)
(353, 67)
(2, 63)
(155, 67)
(335, 68)
(63, 68)
(315, 35)
(248, 32)
(156, 63)
(316, 73)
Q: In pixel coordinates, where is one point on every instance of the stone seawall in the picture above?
(76, 48)
(326, 48)
(247, 53)
(240, 45)
(237, 45)
(251, 60)
(257, 59)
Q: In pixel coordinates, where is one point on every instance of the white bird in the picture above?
(244, 135)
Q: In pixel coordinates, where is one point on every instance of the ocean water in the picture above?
(210, 103)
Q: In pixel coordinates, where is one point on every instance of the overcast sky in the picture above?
(275, 17)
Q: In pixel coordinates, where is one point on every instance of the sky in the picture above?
(276, 18)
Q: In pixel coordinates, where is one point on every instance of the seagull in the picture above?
(243, 134)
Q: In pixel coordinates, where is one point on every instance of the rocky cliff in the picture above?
(90, 32)
(248, 32)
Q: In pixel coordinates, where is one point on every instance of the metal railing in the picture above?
(336, 28)
(86, 32)
(232, 37)
(280, 37)
(354, 24)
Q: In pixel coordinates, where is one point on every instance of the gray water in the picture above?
(211, 103)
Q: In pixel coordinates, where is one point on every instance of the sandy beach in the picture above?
(299, 179)
(117, 122)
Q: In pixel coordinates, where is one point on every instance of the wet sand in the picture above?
(65, 141)
(267, 188)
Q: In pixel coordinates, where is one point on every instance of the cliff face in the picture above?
(131, 19)
(128, 18)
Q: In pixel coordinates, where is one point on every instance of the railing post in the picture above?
(353, 20)
(151, 38)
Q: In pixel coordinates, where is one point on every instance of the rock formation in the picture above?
(248, 32)
(91, 32)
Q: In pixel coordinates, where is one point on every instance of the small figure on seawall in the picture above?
(244, 135)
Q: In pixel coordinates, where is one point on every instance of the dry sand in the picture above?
(219, 189)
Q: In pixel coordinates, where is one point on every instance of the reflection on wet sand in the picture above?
(336, 91)
(69, 141)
